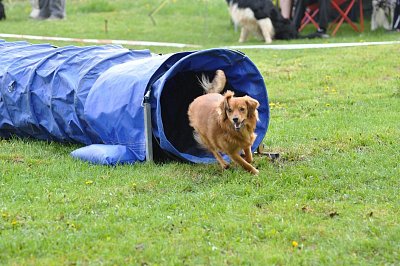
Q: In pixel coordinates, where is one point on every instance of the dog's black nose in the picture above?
(235, 120)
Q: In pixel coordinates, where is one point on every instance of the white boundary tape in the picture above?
(309, 46)
(121, 42)
(181, 45)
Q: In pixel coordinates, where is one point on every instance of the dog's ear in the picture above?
(224, 105)
(252, 106)
(228, 95)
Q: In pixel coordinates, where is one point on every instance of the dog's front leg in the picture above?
(248, 156)
(239, 160)
(221, 161)
(244, 33)
(374, 25)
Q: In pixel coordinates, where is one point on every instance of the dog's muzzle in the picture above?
(238, 125)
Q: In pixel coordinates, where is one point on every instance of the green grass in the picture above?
(96, 6)
(335, 190)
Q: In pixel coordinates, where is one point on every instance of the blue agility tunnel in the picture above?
(98, 96)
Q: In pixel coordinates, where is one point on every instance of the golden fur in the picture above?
(224, 123)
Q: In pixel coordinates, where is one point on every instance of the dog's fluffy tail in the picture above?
(215, 86)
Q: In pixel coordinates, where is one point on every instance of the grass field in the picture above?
(331, 199)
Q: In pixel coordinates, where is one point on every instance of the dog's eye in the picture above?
(230, 110)
(242, 109)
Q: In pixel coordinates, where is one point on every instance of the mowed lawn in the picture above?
(332, 198)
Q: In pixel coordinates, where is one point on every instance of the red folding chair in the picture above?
(343, 7)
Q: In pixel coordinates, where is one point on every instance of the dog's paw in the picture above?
(225, 166)
(268, 40)
(255, 172)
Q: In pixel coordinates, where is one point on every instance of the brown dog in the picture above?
(224, 123)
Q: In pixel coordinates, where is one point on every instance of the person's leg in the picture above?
(323, 20)
(323, 16)
(286, 8)
(57, 9)
(299, 10)
(44, 9)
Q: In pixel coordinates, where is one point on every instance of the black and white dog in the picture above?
(382, 14)
(2, 11)
(262, 18)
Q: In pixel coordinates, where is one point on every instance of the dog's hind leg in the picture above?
(239, 160)
(267, 29)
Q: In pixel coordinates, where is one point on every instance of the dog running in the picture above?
(224, 123)
(262, 18)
